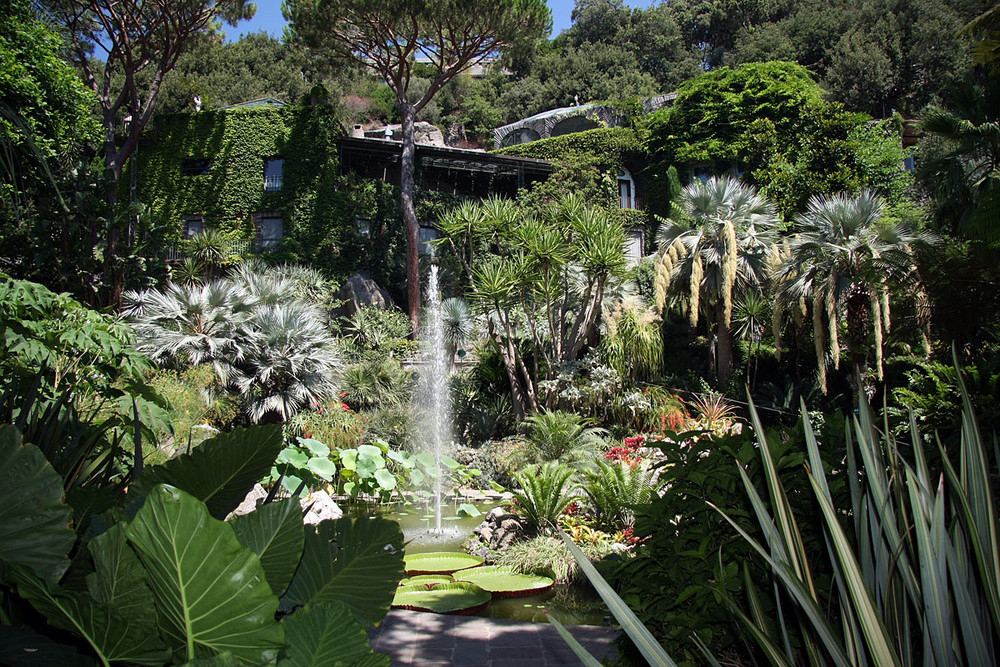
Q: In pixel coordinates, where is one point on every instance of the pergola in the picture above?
(455, 170)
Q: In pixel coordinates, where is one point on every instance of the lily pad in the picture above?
(459, 597)
(428, 580)
(439, 562)
(503, 582)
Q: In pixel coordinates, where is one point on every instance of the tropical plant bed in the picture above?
(503, 582)
(458, 597)
(440, 562)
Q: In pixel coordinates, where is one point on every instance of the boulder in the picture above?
(253, 500)
(321, 507)
(361, 291)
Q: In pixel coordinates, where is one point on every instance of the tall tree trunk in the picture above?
(113, 278)
(723, 345)
(407, 168)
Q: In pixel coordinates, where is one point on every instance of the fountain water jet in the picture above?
(434, 388)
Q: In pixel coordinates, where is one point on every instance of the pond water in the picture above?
(570, 604)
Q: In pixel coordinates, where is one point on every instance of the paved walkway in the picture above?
(432, 640)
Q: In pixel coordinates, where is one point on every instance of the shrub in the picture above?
(546, 552)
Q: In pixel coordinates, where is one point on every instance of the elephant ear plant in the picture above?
(165, 580)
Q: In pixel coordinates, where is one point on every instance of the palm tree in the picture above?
(965, 178)
(193, 323)
(842, 261)
(276, 351)
(290, 363)
(715, 247)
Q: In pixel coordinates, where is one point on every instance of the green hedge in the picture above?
(615, 144)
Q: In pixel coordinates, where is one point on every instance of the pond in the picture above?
(576, 604)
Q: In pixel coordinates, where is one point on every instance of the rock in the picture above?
(494, 514)
(361, 291)
(455, 134)
(253, 500)
(486, 534)
(321, 507)
(511, 527)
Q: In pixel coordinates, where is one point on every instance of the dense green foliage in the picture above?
(319, 208)
(769, 121)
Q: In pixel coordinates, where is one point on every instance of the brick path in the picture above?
(421, 639)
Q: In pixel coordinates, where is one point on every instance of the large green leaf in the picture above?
(223, 469)
(504, 582)
(119, 579)
(210, 589)
(633, 627)
(440, 562)
(324, 634)
(34, 520)
(457, 597)
(358, 562)
(274, 532)
(111, 635)
(19, 648)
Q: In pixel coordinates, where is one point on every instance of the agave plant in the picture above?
(544, 494)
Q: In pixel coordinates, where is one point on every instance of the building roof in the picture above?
(445, 169)
(253, 104)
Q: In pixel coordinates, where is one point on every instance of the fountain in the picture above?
(434, 389)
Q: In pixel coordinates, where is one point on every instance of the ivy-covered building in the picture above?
(287, 181)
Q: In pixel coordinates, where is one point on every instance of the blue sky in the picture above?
(269, 17)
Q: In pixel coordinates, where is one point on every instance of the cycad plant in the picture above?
(614, 490)
(915, 558)
(546, 491)
(557, 435)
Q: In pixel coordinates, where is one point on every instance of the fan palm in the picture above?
(842, 260)
(290, 363)
(197, 323)
(457, 320)
(715, 247)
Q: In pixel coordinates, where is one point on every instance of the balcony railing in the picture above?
(178, 253)
(272, 183)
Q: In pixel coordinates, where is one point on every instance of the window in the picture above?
(194, 226)
(635, 240)
(272, 174)
(701, 172)
(626, 190)
(364, 226)
(196, 166)
(271, 232)
(427, 236)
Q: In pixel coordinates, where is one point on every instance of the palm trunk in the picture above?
(723, 345)
(407, 169)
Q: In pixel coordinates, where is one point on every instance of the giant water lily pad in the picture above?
(428, 580)
(439, 562)
(460, 597)
(503, 582)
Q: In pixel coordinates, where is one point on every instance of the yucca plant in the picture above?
(916, 568)
(615, 489)
(545, 493)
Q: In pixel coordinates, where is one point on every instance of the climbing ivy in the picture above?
(614, 146)
(319, 207)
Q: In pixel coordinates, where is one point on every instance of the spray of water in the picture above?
(434, 388)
